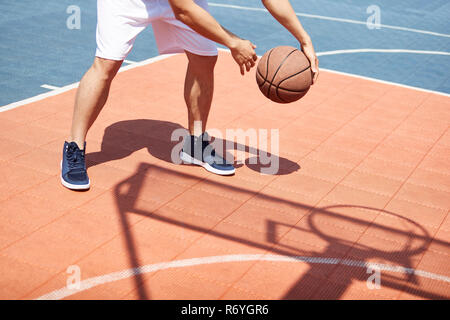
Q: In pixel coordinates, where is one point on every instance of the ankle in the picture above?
(80, 143)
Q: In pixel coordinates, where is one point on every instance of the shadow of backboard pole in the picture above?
(123, 203)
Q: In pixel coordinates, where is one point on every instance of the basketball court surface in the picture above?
(359, 208)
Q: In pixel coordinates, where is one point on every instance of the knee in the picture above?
(202, 62)
(211, 61)
(106, 69)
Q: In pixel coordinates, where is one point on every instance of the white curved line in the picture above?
(385, 82)
(314, 16)
(330, 53)
(373, 79)
(116, 276)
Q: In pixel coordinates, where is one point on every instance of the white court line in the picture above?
(75, 85)
(124, 274)
(373, 79)
(129, 61)
(47, 86)
(385, 82)
(330, 53)
(314, 16)
(162, 57)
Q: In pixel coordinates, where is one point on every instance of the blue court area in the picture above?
(39, 49)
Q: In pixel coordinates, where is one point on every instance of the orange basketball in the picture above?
(284, 74)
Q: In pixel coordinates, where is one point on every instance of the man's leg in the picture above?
(91, 97)
(198, 93)
(198, 90)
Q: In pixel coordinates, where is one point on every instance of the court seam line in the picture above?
(416, 167)
(64, 212)
(314, 16)
(127, 273)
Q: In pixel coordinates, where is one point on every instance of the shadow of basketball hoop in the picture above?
(411, 237)
(417, 238)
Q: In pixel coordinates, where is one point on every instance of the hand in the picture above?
(243, 52)
(308, 50)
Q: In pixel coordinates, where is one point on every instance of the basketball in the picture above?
(284, 74)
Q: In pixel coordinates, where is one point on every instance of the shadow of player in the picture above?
(123, 138)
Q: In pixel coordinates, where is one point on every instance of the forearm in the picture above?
(201, 21)
(231, 34)
(283, 12)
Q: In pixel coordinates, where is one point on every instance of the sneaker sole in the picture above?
(190, 160)
(74, 186)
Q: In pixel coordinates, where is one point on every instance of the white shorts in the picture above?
(120, 21)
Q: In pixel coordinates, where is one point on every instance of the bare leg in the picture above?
(198, 90)
(91, 97)
(198, 93)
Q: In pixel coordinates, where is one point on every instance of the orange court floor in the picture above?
(358, 210)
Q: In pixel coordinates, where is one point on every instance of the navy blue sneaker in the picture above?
(73, 167)
(199, 151)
